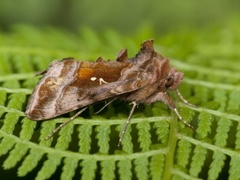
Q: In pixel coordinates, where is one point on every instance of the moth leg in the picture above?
(109, 102)
(63, 124)
(183, 99)
(164, 97)
(127, 123)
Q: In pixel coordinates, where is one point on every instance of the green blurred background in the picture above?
(125, 16)
(157, 17)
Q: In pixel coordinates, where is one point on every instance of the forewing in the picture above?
(100, 81)
(68, 85)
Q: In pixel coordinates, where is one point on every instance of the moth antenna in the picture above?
(127, 123)
(67, 58)
(122, 55)
(183, 99)
(40, 73)
(109, 102)
(181, 119)
(64, 123)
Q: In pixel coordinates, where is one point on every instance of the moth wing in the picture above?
(102, 88)
(69, 85)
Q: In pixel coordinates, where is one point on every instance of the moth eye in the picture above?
(169, 81)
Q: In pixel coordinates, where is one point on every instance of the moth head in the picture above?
(173, 79)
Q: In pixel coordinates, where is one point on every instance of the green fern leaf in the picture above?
(65, 137)
(234, 100)
(204, 125)
(183, 153)
(10, 125)
(5, 67)
(222, 132)
(162, 130)
(103, 137)
(85, 132)
(15, 156)
(30, 162)
(28, 128)
(124, 169)
(6, 144)
(217, 165)
(108, 168)
(49, 167)
(156, 166)
(88, 169)
(198, 159)
(220, 95)
(127, 145)
(237, 142)
(3, 97)
(70, 165)
(141, 168)
(144, 136)
(46, 129)
(234, 172)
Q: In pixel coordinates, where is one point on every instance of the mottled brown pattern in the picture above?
(69, 84)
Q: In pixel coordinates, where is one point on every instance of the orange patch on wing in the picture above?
(85, 73)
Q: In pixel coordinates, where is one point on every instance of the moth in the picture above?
(69, 85)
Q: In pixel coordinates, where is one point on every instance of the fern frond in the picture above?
(85, 132)
(216, 165)
(222, 132)
(127, 145)
(237, 142)
(108, 168)
(103, 132)
(6, 144)
(234, 100)
(183, 153)
(70, 165)
(15, 156)
(28, 128)
(5, 67)
(10, 125)
(65, 137)
(49, 166)
(204, 125)
(46, 129)
(88, 169)
(234, 172)
(3, 96)
(156, 166)
(30, 162)
(144, 136)
(141, 168)
(202, 93)
(124, 169)
(162, 130)
(220, 95)
(199, 156)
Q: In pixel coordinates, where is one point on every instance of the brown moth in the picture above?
(68, 84)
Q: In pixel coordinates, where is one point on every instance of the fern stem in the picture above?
(172, 142)
(209, 146)
(97, 157)
(213, 112)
